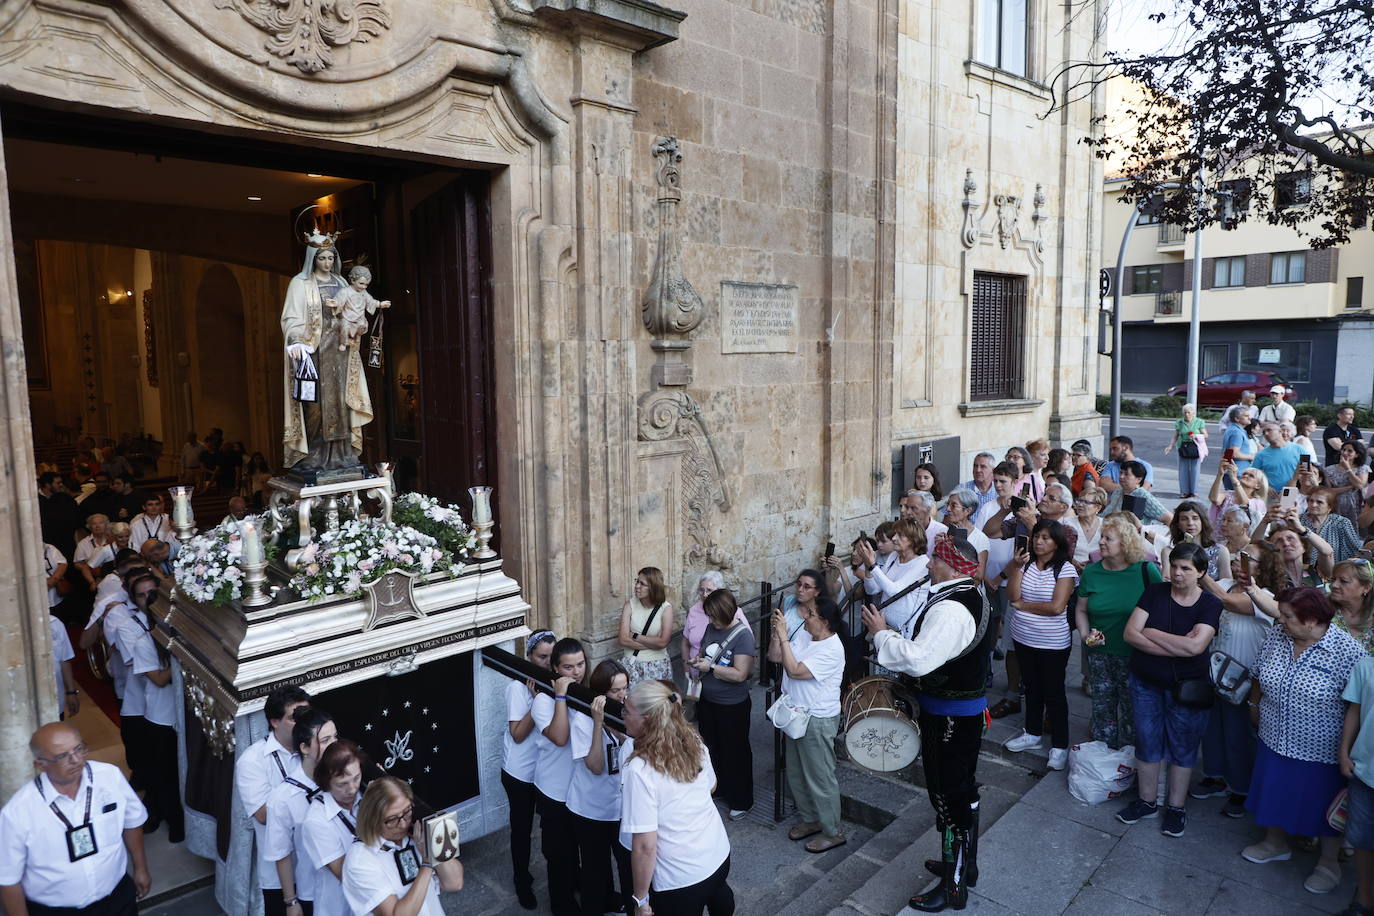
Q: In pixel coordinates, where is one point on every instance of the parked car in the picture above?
(1224, 389)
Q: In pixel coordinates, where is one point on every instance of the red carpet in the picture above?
(102, 692)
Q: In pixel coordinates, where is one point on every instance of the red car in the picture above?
(1224, 389)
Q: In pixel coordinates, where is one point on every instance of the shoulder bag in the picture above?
(1187, 447)
(1230, 678)
(649, 621)
(790, 720)
(1190, 692)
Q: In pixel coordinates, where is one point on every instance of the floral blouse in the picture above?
(1301, 710)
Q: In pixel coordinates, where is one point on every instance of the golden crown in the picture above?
(322, 240)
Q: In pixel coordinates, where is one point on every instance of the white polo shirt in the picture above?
(691, 837)
(370, 876)
(92, 554)
(119, 631)
(61, 652)
(518, 758)
(52, 558)
(595, 797)
(328, 838)
(553, 768)
(287, 807)
(159, 703)
(262, 767)
(33, 840)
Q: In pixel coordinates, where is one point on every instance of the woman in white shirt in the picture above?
(519, 754)
(553, 773)
(959, 509)
(813, 665)
(908, 569)
(1229, 744)
(288, 804)
(680, 853)
(388, 871)
(646, 628)
(152, 667)
(598, 753)
(1039, 584)
(332, 824)
(1086, 521)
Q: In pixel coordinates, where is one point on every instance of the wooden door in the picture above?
(450, 233)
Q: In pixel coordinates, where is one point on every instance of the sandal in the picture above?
(826, 843)
(1005, 707)
(804, 830)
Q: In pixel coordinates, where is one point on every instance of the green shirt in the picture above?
(1183, 428)
(1112, 596)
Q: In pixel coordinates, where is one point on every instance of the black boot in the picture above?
(952, 891)
(937, 867)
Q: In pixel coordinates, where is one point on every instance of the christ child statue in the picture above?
(354, 305)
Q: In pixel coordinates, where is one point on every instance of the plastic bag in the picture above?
(1097, 773)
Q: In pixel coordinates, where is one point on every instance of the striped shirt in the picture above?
(1037, 630)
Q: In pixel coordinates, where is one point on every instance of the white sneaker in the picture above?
(1059, 758)
(1022, 742)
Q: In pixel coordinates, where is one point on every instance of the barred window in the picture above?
(996, 363)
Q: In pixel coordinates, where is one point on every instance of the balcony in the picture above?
(1170, 236)
(1168, 305)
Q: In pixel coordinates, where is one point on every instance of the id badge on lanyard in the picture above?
(407, 864)
(81, 842)
(612, 758)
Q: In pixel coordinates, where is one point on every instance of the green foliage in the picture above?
(1325, 414)
(1166, 405)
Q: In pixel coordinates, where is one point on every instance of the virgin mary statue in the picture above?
(323, 438)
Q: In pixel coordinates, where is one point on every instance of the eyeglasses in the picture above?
(397, 820)
(76, 753)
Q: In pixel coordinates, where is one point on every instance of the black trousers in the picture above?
(163, 795)
(122, 901)
(274, 903)
(522, 796)
(558, 842)
(132, 731)
(1042, 674)
(598, 845)
(712, 895)
(949, 750)
(725, 731)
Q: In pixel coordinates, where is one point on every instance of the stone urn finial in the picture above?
(671, 307)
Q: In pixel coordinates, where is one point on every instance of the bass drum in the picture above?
(98, 657)
(880, 731)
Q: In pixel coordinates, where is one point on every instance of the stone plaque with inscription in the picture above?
(757, 318)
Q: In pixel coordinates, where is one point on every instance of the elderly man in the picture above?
(1228, 416)
(238, 510)
(981, 484)
(944, 653)
(157, 554)
(1236, 437)
(1277, 410)
(919, 506)
(66, 837)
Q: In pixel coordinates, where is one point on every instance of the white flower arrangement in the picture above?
(441, 521)
(337, 565)
(206, 567)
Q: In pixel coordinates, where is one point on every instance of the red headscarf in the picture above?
(946, 552)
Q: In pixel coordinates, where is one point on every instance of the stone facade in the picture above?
(817, 211)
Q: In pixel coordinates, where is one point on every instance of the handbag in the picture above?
(1230, 678)
(790, 720)
(1187, 449)
(1191, 692)
(693, 691)
(1339, 811)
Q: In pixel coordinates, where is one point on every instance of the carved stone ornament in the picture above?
(1008, 212)
(305, 32)
(671, 308)
(215, 724)
(392, 597)
(674, 414)
(1039, 217)
(969, 235)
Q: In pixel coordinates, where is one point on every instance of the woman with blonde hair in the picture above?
(1352, 595)
(1248, 489)
(388, 872)
(679, 852)
(1107, 594)
(646, 628)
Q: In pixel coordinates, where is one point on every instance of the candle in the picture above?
(481, 505)
(252, 546)
(181, 507)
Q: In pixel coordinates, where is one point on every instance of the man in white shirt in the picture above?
(66, 837)
(153, 523)
(261, 768)
(981, 484)
(919, 507)
(1277, 410)
(946, 654)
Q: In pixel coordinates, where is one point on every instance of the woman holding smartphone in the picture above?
(1039, 583)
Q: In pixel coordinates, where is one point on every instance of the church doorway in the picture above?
(152, 264)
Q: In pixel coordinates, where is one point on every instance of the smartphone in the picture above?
(1289, 499)
(1305, 461)
(1245, 565)
(1022, 543)
(1131, 503)
(1026, 488)
(1229, 454)
(1018, 503)
(829, 549)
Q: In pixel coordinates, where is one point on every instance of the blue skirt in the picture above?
(1293, 795)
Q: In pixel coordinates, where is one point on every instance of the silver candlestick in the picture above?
(482, 522)
(182, 519)
(255, 593)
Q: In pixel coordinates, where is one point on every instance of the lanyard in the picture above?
(90, 780)
(310, 794)
(347, 823)
(281, 769)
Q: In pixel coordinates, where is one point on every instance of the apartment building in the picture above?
(1269, 302)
